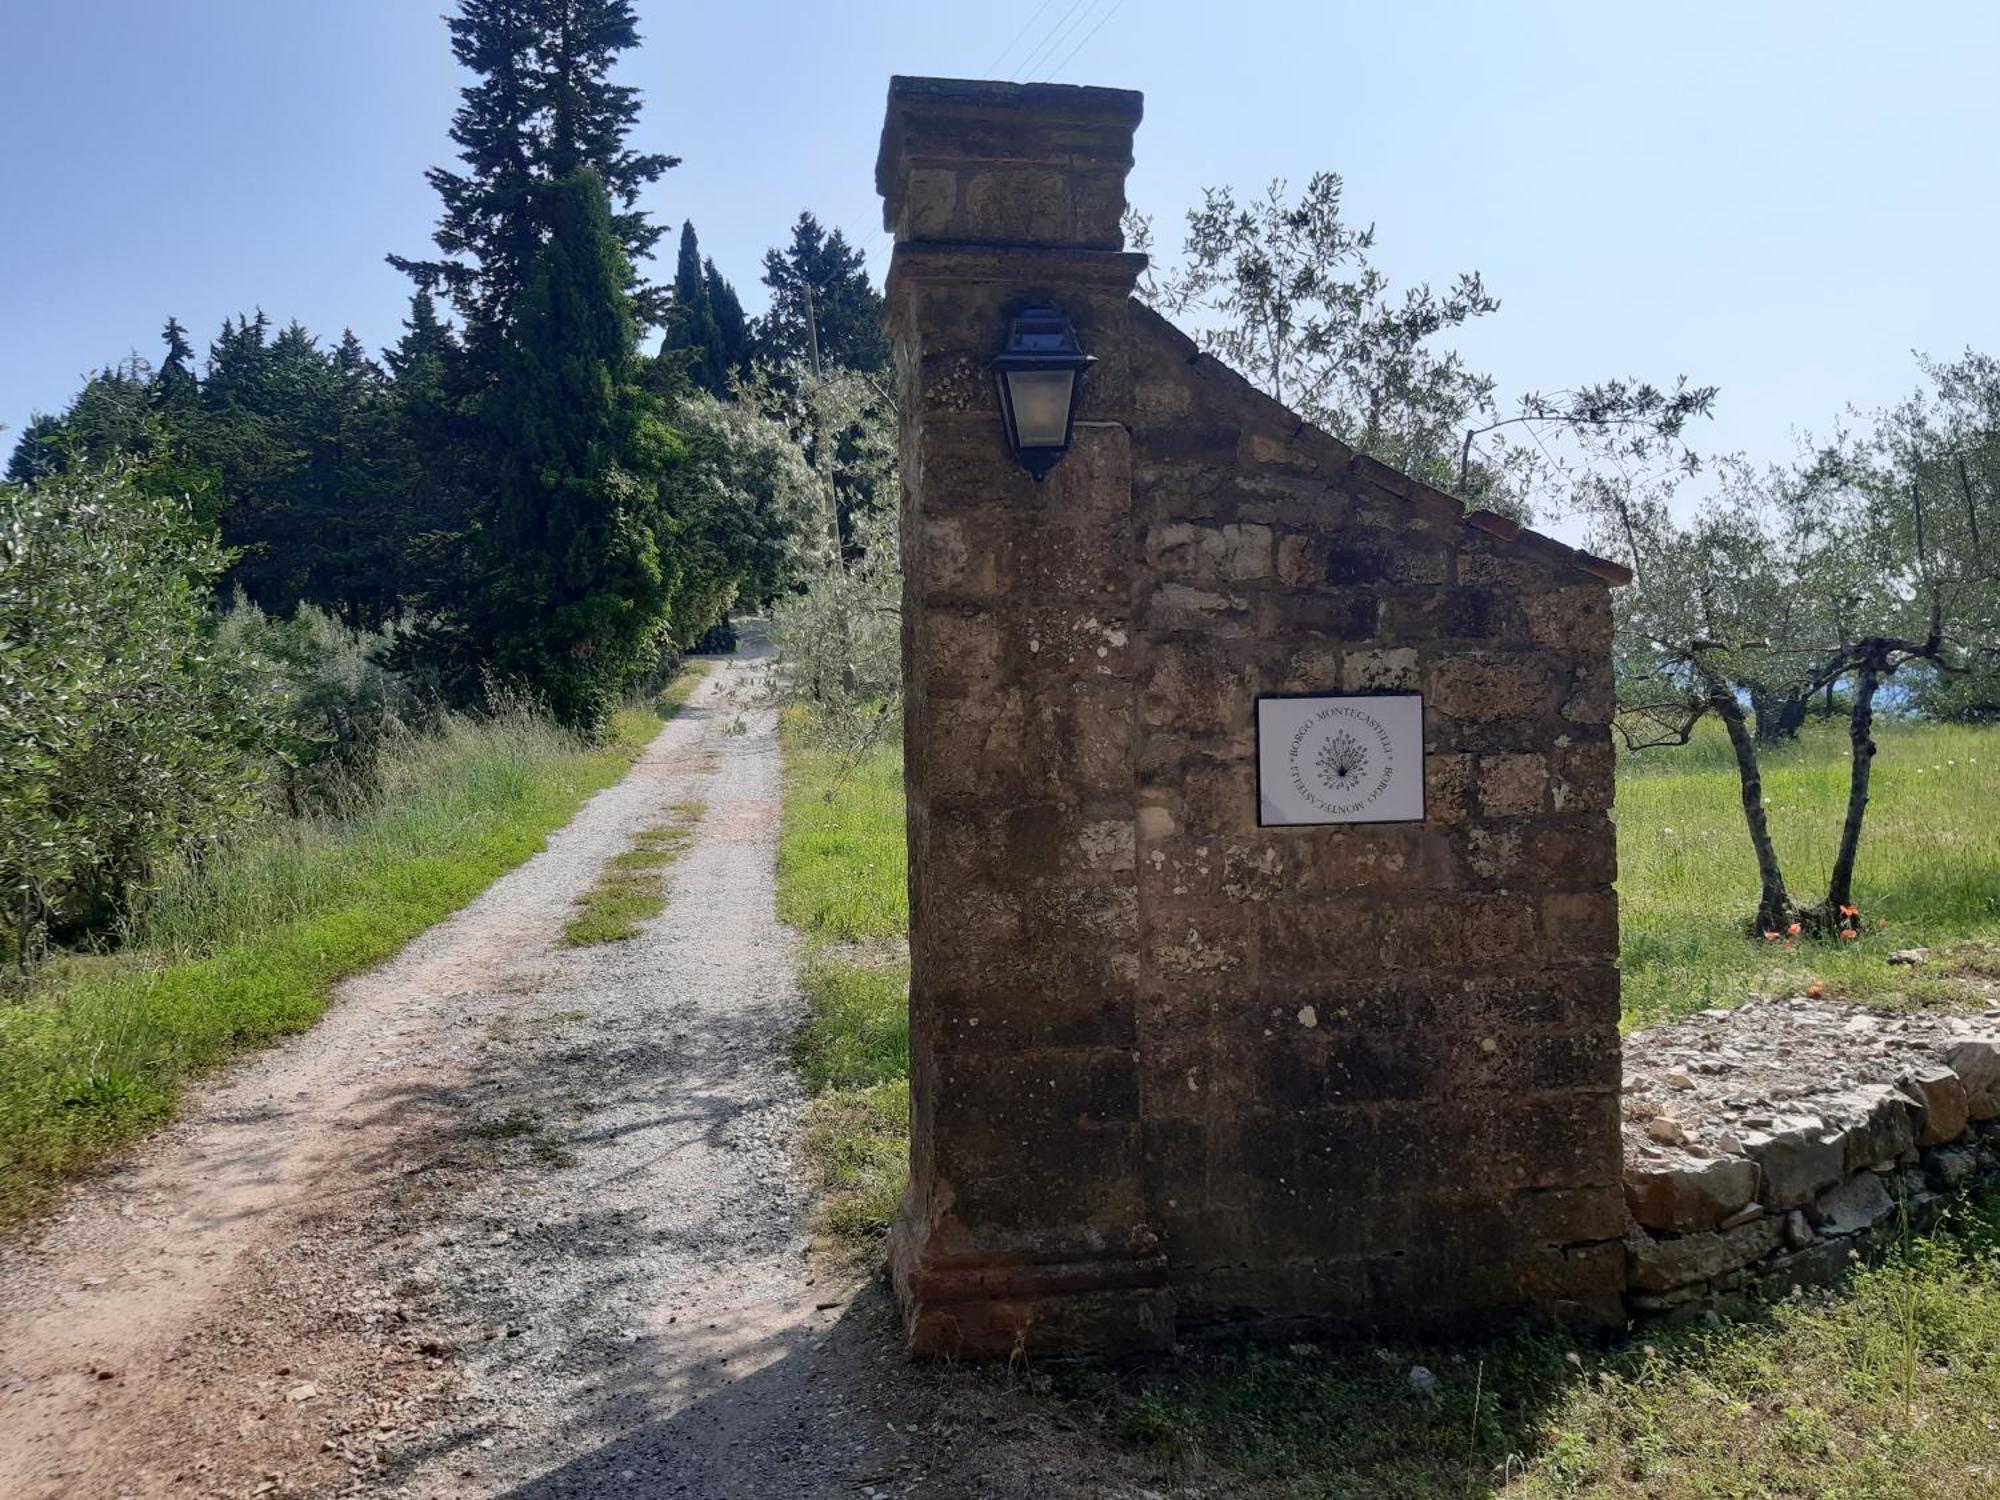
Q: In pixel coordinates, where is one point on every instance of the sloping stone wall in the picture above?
(1379, 1064)
(1771, 1147)
(1170, 1068)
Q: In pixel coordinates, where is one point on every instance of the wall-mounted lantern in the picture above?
(1038, 374)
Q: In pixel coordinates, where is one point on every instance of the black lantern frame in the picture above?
(1042, 365)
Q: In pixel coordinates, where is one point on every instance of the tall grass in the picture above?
(247, 946)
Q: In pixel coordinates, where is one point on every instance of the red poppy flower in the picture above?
(1848, 932)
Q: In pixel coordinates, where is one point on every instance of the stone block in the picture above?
(1859, 1203)
(1669, 1263)
(1460, 933)
(1876, 1126)
(1976, 1060)
(1492, 687)
(1582, 924)
(1583, 777)
(1951, 1170)
(1939, 1097)
(1577, 618)
(1689, 1195)
(1512, 786)
(1448, 784)
(1799, 1158)
(1385, 669)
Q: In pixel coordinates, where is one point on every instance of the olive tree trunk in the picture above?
(1861, 736)
(1774, 903)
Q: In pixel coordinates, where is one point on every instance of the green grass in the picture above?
(632, 887)
(1930, 852)
(672, 698)
(247, 948)
(1887, 1390)
(842, 881)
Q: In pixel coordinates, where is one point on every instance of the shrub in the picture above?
(126, 734)
(840, 643)
(329, 690)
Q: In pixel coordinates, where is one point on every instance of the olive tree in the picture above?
(125, 734)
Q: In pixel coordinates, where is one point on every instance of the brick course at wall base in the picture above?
(1172, 1069)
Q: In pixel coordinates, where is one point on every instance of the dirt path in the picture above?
(513, 1220)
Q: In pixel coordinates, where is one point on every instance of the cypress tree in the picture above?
(573, 588)
(732, 329)
(691, 329)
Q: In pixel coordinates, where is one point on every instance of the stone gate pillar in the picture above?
(1262, 932)
(1025, 1222)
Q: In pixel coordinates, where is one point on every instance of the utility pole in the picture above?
(812, 328)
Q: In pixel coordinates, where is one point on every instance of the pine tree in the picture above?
(573, 588)
(542, 107)
(436, 441)
(823, 313)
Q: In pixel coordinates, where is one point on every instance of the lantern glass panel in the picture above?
(1040, 400)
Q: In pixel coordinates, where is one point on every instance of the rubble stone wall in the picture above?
(1770, 1148)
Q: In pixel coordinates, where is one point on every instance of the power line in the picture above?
(1057, 43)
(1004, 51)
(1047, 42)
(1051, 77)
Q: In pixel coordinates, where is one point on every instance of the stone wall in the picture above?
(1170, 1068)
(1773, 1146)
(1379, 1064)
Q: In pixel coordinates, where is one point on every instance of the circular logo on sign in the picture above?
(1341, 759)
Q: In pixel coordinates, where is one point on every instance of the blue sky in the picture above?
(1781, 199)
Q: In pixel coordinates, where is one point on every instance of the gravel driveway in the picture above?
(513, 1220)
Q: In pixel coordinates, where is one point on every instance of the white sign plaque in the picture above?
(1340, 760)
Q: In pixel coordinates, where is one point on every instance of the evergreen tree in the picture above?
(573, 588)
(824, 314)
(731, 328)
(175, 388)
(38, 452)
(427, 341)
(692, 334)
(542, 107)
(436, 438)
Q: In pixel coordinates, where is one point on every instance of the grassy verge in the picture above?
(842, 881)
(672, 698)
(1886, 1390)
(248, 948)
(1929, 852)
(632, 887)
